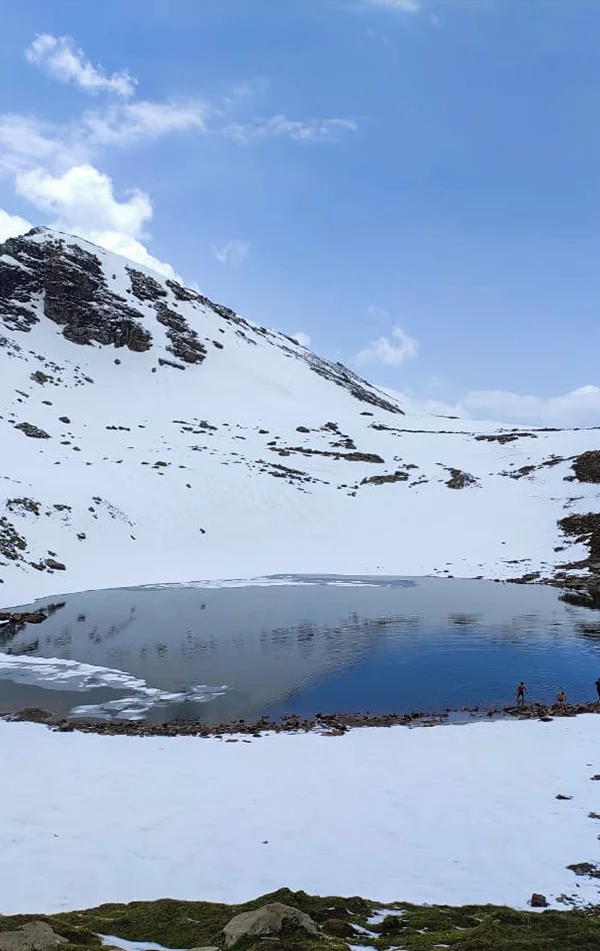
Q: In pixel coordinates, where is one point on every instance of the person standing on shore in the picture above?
(521, 691)
(598, 687)
(561, 698)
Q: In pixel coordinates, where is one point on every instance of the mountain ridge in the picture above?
(153, 436)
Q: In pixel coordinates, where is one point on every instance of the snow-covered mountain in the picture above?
(151, 435)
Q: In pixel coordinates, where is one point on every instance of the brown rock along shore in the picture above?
(326, 724)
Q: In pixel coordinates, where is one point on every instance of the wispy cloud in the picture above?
(392, 350)
(59, 57)
(402, 6)
(311, 130)
(389, 352)
(232, 252)
(134, 122)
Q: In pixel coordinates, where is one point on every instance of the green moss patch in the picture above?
(180, 924)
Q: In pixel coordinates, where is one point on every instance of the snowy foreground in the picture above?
(135, 466)
(452, 814)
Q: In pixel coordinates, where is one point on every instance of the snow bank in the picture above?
(452, 814)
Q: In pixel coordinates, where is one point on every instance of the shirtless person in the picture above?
(561, 698)
(521, 691)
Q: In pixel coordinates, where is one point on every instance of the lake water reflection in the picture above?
(300, 645)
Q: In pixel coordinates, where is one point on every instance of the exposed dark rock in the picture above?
(587, 466)
(145, 287)
(459, 479)
(74, 291)
(538, 901)
(41, 378)
(339, 374)
(398, 476)
(12, 545)
(22, 618)
(504, 437)
(184, 293)
(34, 432)
(184, 342)
(586, 869)
(54, 565)
(584, 528)
(169, 363)
(23, 505)
(307, 451)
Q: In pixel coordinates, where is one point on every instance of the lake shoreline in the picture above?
(334, 724)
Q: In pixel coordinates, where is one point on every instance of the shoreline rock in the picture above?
(334, 724)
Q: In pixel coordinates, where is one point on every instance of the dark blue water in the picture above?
(216, 654)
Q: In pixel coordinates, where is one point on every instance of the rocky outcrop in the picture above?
(34, 432)
(459, 479)
(71, 285)
(144, 286)
(398, 476)
(33, 936)
(184, 342)
(12, 544)
(264, 922)
(587, 466)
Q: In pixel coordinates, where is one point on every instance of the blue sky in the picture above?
(413, 184)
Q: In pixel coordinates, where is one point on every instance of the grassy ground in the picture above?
(178, 924)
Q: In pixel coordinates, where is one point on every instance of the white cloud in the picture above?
(302, 338)
(579, 407)
(54, 163)
(133, 249)
(12, 225)
(232, 252)
(58, 56)
(84, 203)
(26, 142)
(84, 193)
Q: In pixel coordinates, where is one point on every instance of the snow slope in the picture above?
(450, 815)
(186, 443)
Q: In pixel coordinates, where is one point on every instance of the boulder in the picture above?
(538, 901)
(34, 936)
(269, 920)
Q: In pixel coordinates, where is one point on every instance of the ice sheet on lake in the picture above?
(54, 673)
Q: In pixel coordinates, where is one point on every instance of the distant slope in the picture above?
(150, 435)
